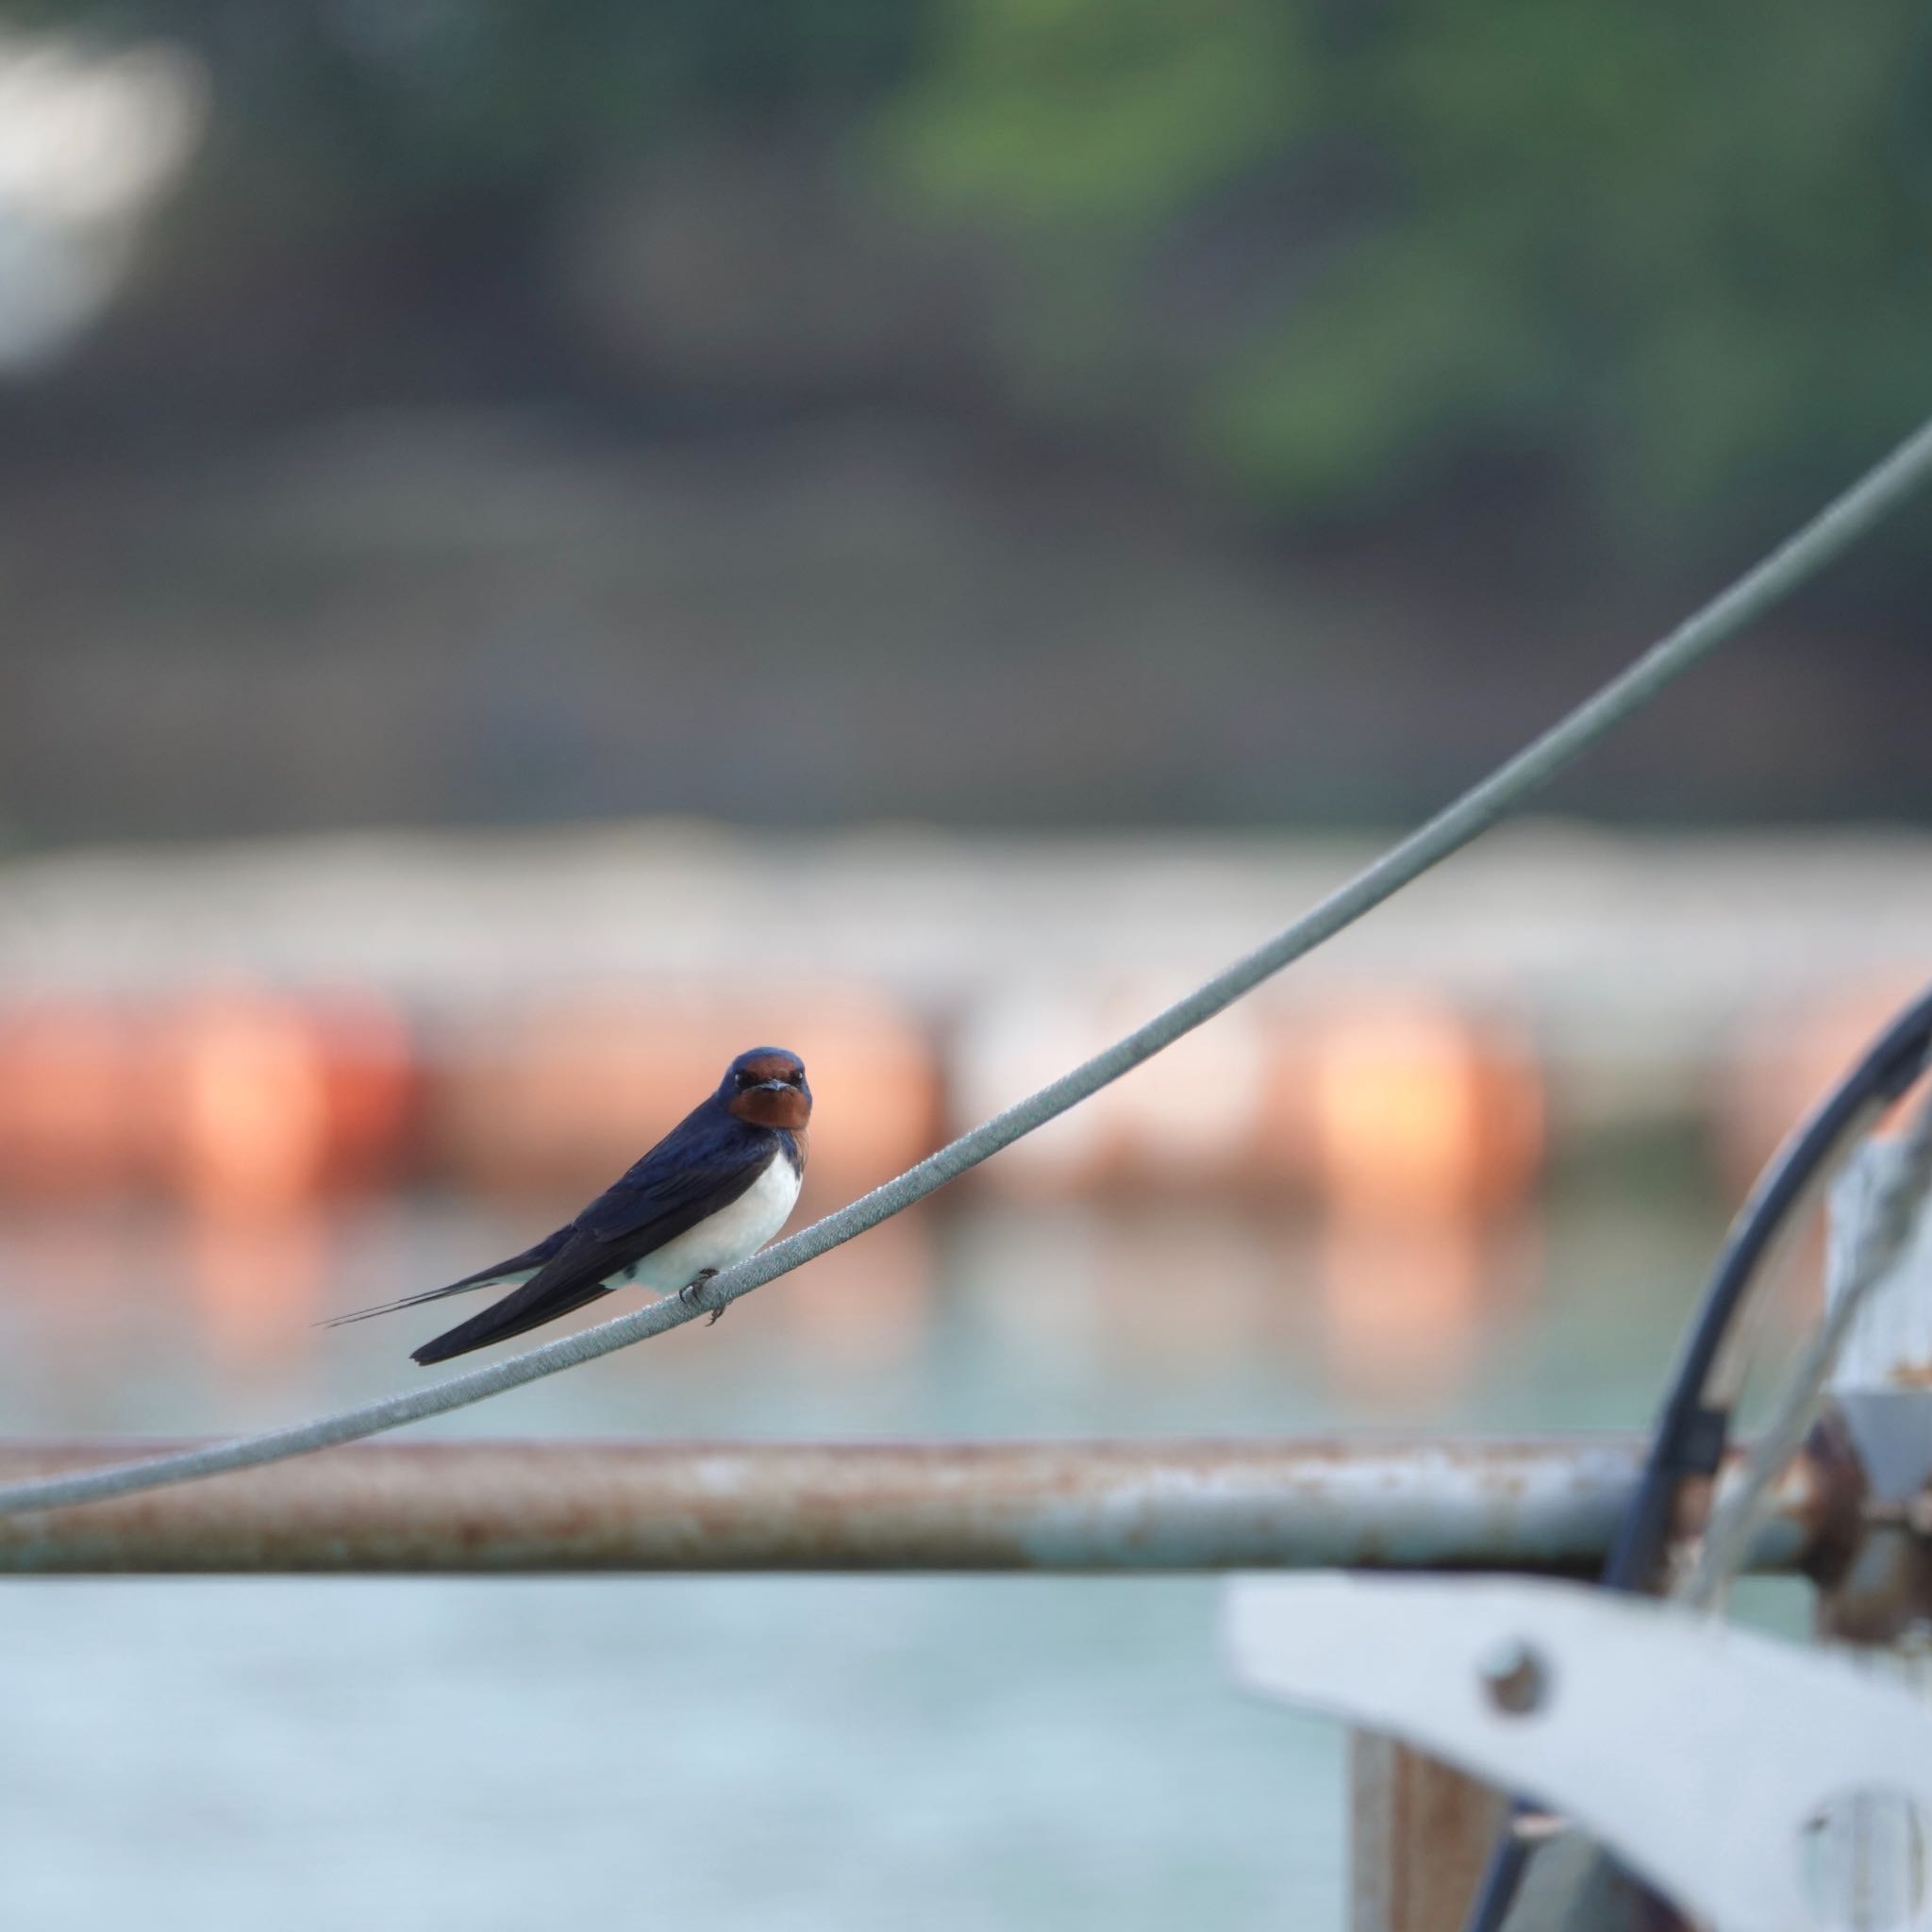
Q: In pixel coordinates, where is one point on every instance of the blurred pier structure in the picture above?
(255, 1023)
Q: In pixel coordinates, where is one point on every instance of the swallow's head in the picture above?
(767, 1088)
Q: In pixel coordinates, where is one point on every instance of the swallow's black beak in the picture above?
(776, 1086)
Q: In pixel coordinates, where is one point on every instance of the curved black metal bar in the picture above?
(1691, 1429)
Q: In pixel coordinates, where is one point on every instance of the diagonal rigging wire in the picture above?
(1827, 536)
(1889, 1222)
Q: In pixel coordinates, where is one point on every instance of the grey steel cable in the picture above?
(1827, 536)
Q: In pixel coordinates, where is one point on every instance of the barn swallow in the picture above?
(714, 1190)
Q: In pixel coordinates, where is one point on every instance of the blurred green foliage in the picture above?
(1673, 257)
(1678, 251)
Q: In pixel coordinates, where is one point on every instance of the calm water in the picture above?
(953, 1754)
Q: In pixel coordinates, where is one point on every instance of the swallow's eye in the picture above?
(746, 1078)
(797, 1078)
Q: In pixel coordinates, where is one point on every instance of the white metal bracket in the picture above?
(1709, 1759)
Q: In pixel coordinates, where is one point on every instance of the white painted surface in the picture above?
(1699, 1752)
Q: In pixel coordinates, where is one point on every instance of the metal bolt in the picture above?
(1514, 1677)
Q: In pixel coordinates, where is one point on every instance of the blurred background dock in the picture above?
(524, 1012)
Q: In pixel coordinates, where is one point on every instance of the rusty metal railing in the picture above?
(1547, 1504)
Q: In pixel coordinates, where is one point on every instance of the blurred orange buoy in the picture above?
(75, 1104)
(1419, 1109)
(266, 1100)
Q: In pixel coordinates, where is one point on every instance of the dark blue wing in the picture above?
(702, 1164)
(705, 1164)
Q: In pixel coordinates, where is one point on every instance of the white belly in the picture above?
(727, 1236)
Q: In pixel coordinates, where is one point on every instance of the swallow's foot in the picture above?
(689, 1293)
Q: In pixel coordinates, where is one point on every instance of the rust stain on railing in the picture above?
(1544, 1504)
